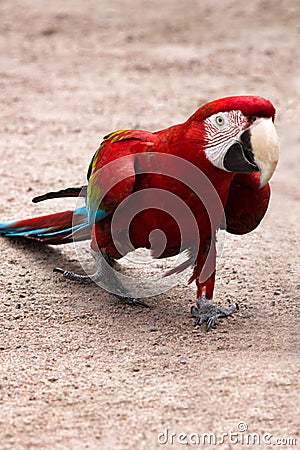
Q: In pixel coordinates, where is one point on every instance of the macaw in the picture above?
(217, 164)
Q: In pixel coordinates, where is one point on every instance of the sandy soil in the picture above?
(77, 370)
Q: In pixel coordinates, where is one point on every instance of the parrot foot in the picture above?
(86, 279)
(205, 311)
(74, 276)
(131, 301)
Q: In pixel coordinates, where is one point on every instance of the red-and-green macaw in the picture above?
(220, 160)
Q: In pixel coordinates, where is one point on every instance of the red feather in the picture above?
(247, 203)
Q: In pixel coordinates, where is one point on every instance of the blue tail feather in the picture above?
(59, 228)
(56, 228)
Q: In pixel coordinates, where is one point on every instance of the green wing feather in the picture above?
(111, 177)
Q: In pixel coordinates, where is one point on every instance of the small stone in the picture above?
(52, 379)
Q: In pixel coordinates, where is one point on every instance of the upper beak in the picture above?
(256, 150)
(265, 148)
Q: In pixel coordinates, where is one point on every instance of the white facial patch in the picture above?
(222, 131)
(216, 155)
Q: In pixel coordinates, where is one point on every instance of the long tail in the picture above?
(59, 228)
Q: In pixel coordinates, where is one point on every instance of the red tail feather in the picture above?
(58, 228)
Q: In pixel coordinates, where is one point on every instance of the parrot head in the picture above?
(240, 135)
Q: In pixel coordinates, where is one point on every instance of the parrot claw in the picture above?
(205, 311)
(73, 276)
(131, 301)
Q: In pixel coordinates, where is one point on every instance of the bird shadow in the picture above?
(47, 257)
(50, 256)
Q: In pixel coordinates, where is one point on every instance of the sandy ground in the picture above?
(77, 370)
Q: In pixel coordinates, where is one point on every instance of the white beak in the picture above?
(264, 142)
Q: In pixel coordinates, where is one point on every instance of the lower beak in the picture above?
(256, 150)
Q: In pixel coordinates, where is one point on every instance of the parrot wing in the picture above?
(112, 174)
(246, 204)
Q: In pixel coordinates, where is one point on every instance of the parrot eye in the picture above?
(220, 120)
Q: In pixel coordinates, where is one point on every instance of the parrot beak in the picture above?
(256, 150)
(265, 148)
